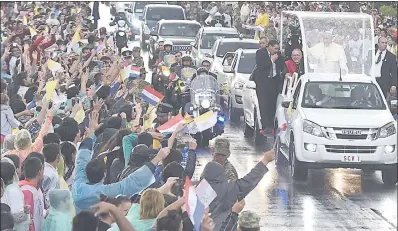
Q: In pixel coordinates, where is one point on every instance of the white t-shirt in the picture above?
(13, 64)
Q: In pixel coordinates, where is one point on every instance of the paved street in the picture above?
(339, 199)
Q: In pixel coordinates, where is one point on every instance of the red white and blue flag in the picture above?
(195, 208)
(134, 72)
(171, 125)
(151, 96)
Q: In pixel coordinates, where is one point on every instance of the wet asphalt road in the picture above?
(332, 199)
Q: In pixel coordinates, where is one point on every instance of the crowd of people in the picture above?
(75, 154)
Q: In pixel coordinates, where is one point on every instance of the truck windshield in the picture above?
(158, 13)
(345, 95)
(208, 40)
(179, 30)
(225, 47)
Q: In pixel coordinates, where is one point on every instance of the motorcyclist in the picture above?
(177, 86)
(127, 56)
(157, 51)
(137, 58)
(204, 69)
(177, 56)
(121, 15)
(168, 46)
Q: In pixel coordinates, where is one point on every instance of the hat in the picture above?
(164, 109)
(221, 146)
(248, 220)
(136, 49)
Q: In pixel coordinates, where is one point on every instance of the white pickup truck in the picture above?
(329, 121)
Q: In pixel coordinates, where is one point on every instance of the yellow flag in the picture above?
(32, 32)
(123, 74)
(156, 144)
(50, 88)
(36, 10)
(25, 20)
(73, 11)
(152, 116)
(289, 110)
(80, 115)
(46, 29)
(53, 66)
(76, 36)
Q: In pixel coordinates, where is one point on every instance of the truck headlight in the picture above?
(386, 131)
(312, 128)
(205, 103)
(238, 85)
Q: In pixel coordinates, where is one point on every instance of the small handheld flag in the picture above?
(53, 66)
(50, 88)
(151, 96)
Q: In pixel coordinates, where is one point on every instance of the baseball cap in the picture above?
(249, 220)
(222, 146)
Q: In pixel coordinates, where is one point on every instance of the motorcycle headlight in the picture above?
(238, 85)
(386, 131)
(146, 30)
(312, 128)
(205, 103)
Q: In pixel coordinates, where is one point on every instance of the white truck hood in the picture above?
(348, 118)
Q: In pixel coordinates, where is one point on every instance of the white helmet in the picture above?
(160, 40)
(168, 43)
(217, 14)
(125, 49)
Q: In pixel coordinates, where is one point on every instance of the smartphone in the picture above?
(240, 196)
(141, 121)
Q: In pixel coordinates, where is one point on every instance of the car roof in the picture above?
(163, 6)
(246, 51)
(335, 77)
(164, 21)
(227, 40)
(215, 30)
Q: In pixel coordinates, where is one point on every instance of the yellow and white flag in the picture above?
(50, 88)
(25, 20)
(53, 66)
(32, 32)
(80, 115)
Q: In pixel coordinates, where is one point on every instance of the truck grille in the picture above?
(181, 48)
(338, 133)
(350, 149)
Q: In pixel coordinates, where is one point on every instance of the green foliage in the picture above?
(388, 11)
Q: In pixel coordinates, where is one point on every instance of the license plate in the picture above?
(351, 132)
(351, 159)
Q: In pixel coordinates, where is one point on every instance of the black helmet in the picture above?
(186, 58)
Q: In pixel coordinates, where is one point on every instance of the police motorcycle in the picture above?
(121, 33)
(205, 97)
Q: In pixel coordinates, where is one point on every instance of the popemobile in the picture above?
(334, 115)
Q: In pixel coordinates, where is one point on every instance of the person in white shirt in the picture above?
(355, 46)
(52, 155)
(328, 56)
(15, 62)
(52, 20)
(244, 12)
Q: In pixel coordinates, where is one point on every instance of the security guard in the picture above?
(138, 61)
(163, 113)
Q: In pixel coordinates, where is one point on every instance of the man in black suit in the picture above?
(269, 64)
(385, 69)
